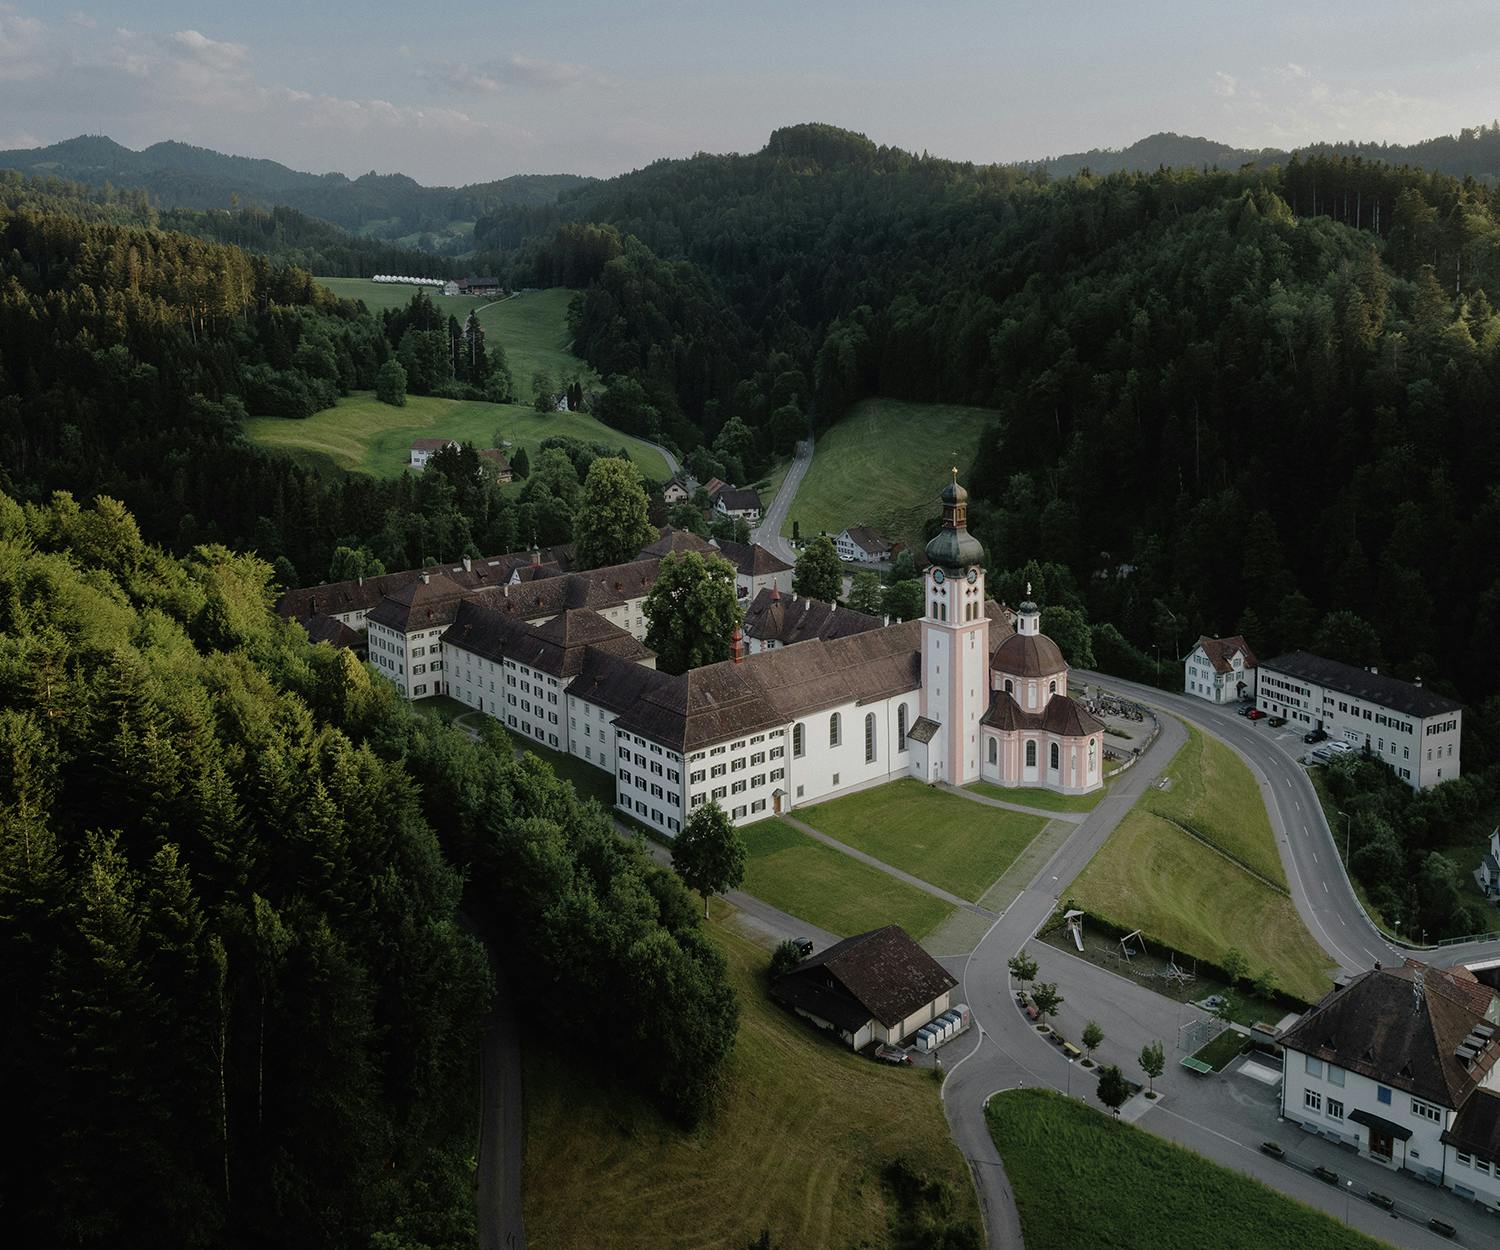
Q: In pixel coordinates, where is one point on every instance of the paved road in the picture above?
(501, 1130)
(768, 533)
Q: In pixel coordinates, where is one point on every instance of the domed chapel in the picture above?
(1000, 714)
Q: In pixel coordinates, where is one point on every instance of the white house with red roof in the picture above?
(1221, 670)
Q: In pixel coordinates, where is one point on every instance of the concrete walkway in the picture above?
(1073, 818)
(926, 887)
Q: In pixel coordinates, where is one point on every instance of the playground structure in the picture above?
(1074, 921)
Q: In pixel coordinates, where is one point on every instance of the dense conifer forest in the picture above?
(240, 1004)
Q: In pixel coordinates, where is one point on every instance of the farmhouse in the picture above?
(1221, 670)
(738, 502)
(1413, 730)
(495, 460)
(874, 987)
(861, 543)
(756, 569)
(423, 450)
(1400, 1064)
(675, 491)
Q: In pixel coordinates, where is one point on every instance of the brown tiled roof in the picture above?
(884, 971)
(771, 618)
(1028, 655)
(498, 456)
(430, 444)
(1476, 1128)
(728, 700)
(1383, 1026)
(363, 593)
(738, 499)
(1401, 696)
(1221, 650)
(558, 647)
(674, 540)
(616, 684)
(1063, 716)
(751, 559)
(866, 539)
(335, 633)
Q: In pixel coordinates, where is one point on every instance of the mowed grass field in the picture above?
(1084, 1179)
(531, 326)
(362, 434)
(829, 889)
(1152, 876)
(951, 842)
(884, 465)
(1032, 796)
(796, 1147)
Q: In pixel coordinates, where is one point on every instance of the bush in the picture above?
(783, 959)
(390, 384)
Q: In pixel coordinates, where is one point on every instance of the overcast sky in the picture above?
(464, 92)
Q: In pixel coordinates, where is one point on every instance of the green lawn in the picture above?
(829, 889)
(1083, 1179)
(796, 1146)
(1046, 800)
(949, 841)
(533, 329)
(1222, 1051)
(1153, 876)
(361, 433)
(379, 296)
(1214, 794)
(884, 465)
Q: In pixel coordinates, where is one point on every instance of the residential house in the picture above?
(875, 987)
(740, 503)
(1400, 1065)
(423, 450)
(773, 621)
(1413, 730)
(861, 543)
(1221, 670)
(496, 461)
(756, 569)
(1488, 872)
(675, 491)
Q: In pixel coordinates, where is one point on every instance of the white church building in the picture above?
(958, 696)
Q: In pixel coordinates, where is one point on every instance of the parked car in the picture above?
(1340, 747)
(891, 1054)
(1276, 722)
(803, 946)
(1315, 735)
(1246, 709)
(1256, 714)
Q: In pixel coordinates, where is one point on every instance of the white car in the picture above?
(1340, 747)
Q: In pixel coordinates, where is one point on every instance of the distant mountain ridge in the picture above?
(179, 175)
(1473, 152)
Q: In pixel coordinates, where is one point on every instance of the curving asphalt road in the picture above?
(768, 533)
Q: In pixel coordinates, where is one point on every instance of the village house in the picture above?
(740, 503)
(423, 450)
(875, 987)
(773, 620)
(1221, 670)
(1400, 1065)
(675, 491)
(861, 543)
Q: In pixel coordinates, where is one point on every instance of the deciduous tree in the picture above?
(1114, 1089)
(820, 572)
(1153, 1060)
(612, 524)
(709, 854)
(691, 611)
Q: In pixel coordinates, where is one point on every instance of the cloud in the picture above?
(1224, 84)
(64, 79)
(1292, 104)
(495, 77)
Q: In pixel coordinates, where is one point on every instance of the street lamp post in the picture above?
(1070, 1078)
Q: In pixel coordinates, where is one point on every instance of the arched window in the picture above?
(834, 736)
(1031, 755)
(1009, 686)
(1052, 758)
(1093, 745)
(796, 742)
(994, 751)
(869, 737)
(901, 727)
(1051, 687)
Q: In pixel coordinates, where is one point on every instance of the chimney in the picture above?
(737, 648)
(775, 594)
(468, 565)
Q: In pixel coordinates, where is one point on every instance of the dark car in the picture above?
(803, 946)
(1246, 709)
(1276, 722)
(1314, 735)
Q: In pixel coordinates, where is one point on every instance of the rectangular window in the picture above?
(1335, 1076)
(758, 780)
(718, 770)
(738, 787)
(1313, 1067)
(1427, 1110)
(1463, 1159)
(1312, 1100)
(736, 766)
(697, 776)
(1383, 1094)
(758, 806)
(719, 793)
(777, 774)
(1335, 1109)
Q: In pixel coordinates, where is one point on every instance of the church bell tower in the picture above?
(955, 642)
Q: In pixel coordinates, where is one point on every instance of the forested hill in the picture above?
(178, 175)
(1225, 400)
(240, 1006)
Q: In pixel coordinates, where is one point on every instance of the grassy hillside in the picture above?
(1153, 876)
(884, 464)
(797, 1145)
(381, 295)
(533, 329)
(1084, 1179)
(363, 434)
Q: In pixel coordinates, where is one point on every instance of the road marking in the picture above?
(1315, 854)
(1325, 887)
(1299, 805)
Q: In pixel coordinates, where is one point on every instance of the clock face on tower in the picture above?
(973, 576)
(937, 576)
